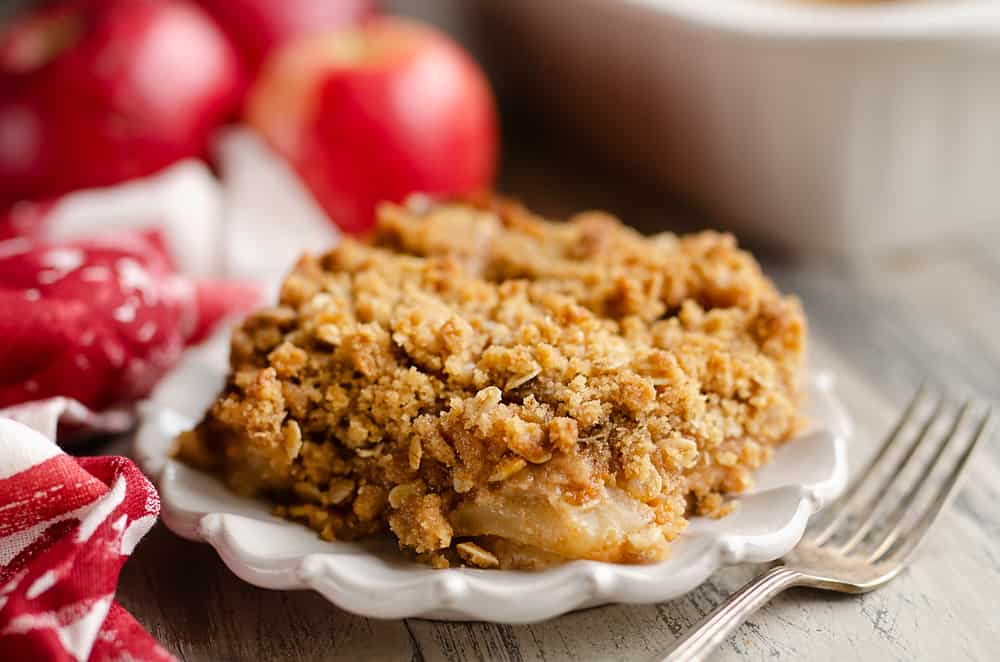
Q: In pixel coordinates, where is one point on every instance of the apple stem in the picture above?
(38, 41)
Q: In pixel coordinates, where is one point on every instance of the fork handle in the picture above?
(723, 621)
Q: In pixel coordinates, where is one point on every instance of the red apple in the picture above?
(375, 113)
(257, 26)
(93, 92)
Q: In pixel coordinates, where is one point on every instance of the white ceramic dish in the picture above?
(374, 579)
(844, 129)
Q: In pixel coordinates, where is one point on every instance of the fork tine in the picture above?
(871, 507)
(906, 505)
(840, 508)
(912, 538)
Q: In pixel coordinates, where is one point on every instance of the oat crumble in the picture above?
(499, 390)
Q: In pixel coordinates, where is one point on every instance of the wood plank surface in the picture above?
(882, 327)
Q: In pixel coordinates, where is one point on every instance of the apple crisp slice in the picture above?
(504, 391)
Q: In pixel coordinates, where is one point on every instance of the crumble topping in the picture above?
(499, 390)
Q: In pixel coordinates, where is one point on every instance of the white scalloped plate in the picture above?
(374, 579)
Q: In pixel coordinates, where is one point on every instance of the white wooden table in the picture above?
(881, 326)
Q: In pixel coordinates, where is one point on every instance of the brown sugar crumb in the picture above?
(420, 524)
(499, 390)
(475, 555)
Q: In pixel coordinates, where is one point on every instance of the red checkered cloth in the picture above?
(66, 527)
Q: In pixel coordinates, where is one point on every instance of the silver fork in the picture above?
(866, 537)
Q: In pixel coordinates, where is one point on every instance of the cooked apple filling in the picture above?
(498, 390)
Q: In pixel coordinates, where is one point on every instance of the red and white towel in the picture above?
(66, 527)
(100, 292)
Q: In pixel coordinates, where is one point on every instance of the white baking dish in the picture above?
(840, 129)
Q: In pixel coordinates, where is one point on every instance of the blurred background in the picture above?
(812, 129)
(834, 129)
(548, 161)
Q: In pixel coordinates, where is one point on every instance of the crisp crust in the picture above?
(496, 389)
